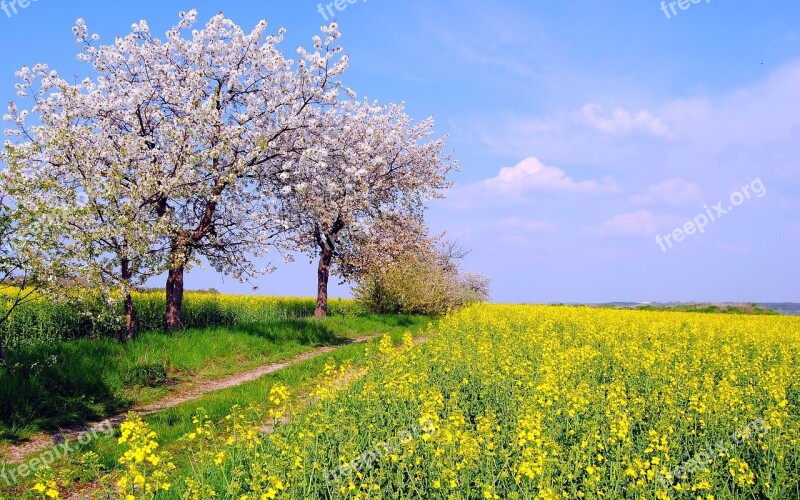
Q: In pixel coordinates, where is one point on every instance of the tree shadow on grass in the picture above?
(308, 332)
(398, 320)
(331, 331)
(63, 385)
(52, 387)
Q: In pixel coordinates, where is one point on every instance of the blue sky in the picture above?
(584, 129)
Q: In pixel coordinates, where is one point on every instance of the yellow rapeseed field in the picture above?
(526, 402)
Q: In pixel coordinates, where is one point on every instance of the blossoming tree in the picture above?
(21, 260)
(360, 168)
(79, 186)
(165, 155)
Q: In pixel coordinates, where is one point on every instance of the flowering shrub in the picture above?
(425, 280)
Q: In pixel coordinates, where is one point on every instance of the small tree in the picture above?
(10, 269)
(424, 279)
(360, 162)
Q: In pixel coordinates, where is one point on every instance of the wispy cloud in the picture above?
(527, 225)
(673, 192)
(729, 134)
(623, 122)
(639, 223)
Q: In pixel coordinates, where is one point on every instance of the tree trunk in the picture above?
(172, 318)
(129, 332)
(323, 274)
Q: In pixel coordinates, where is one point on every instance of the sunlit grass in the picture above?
(172, 425)
(64, 383)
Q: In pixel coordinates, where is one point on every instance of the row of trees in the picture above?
(209, 144)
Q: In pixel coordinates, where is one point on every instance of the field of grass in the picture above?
(522, 402)
(95, 467)
(46, 386)
(45, 322)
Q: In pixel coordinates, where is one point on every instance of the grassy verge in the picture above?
(44, 388)
(45, 322)
(93, 466)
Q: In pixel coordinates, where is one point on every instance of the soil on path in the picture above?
(17, 453)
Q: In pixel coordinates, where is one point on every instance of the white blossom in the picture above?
(169, 151)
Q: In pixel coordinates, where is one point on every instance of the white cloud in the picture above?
(532, 174)
(623, 122)
(640, 223)
(673, 191)
(720, 137)
(527, 225)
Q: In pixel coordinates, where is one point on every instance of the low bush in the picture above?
(423, 281)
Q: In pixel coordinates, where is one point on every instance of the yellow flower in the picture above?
(608, 401)
(142, 472)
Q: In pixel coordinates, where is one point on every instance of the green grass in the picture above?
(51, 386)
(174, 423)
(44, 322)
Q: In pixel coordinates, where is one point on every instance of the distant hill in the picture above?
(789, 308)
(792, 308)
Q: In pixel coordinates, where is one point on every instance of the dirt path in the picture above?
(350, 377)
(17, 453)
